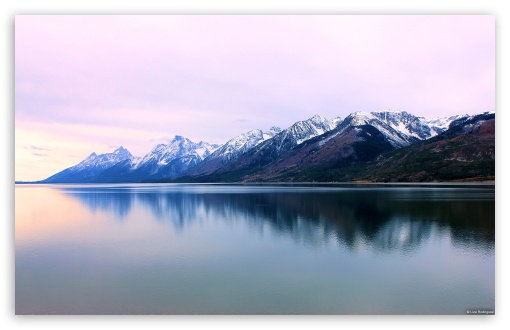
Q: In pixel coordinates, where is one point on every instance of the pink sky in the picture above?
(93, 83)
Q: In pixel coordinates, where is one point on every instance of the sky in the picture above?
(88, 84)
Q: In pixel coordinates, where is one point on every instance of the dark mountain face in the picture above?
(335, 149)
(339, 148)
(464, 152)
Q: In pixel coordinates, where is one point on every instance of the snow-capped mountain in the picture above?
(104, 161)
(91, 166)
(307, 129)
(336, 121)
(358, 140)
(204, 149)
(298, 133)
(171, 160)
(294, 135)
(330, 151)
(231, 150)
(466, 150)
(311, 142)
(270, 149)
(179, 147)
(242, 143)
(272, 132)
(399, 127)
(163, 161)
(438, 125)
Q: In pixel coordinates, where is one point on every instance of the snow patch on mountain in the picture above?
(178, 148)
(103, 161)
(399, 127)
(242, 143)
(440, 124)
(91, 166)
(336, 121)
(204, 149)
(307, 129)
(272, 132)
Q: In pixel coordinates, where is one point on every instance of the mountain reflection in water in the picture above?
(381, 218)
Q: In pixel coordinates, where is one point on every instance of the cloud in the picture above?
(39, 154)
(39, 148)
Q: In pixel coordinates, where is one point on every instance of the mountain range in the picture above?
(364, 146)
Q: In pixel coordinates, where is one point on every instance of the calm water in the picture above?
(235, 249)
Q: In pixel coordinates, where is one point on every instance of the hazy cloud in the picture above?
(39, 154)
(39, 148)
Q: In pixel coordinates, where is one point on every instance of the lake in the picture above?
(254, 249)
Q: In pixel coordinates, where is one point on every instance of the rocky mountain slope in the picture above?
(358, 138)
(465, 152)
(316, 149)
(234, 148)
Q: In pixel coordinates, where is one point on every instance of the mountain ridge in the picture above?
(316, 141)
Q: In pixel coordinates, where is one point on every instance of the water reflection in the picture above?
(403, 234)
(381, 218)
(116, 201)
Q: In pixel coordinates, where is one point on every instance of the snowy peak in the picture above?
(318, 120)
(238, 145)
(181, 141)
(395, 117)
(204, 149)
(440, 124)
(122, 153)
(104, 161)
(272, 132)
(336, 121)
(399, 127)
(358, 118)
(163, 161)
(307, 129)
(178, 147)
(292, 136)
(235, 147)
(90, 158)
(88, 169)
